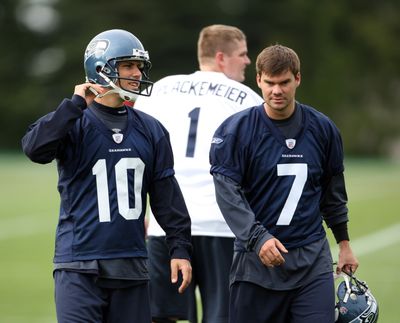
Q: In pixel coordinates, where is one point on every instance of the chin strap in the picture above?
(125, 95)
(348, 289)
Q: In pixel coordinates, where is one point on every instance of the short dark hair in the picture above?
(277, 59)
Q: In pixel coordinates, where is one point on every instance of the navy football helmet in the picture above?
(103, 54)
(355, 302)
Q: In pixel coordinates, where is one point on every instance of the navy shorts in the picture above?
(80, 300)
(211, 262)
(314, 302)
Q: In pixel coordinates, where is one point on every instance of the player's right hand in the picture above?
(271, 253)
(88, 91)
(347, 260)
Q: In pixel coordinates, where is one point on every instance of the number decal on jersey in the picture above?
(121, 178)
(194, 120)
(299, 171)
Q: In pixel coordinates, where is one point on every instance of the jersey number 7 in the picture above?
(299, 171)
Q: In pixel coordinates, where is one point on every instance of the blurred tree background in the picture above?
(349, 50)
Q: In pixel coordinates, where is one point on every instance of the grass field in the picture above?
(28, 216)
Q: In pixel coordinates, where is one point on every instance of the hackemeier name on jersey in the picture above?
(204, 88)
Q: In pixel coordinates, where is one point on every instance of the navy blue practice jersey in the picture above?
(104, 179)
(282, 179)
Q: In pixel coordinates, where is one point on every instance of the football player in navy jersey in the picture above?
(109, 158)
(278, 173)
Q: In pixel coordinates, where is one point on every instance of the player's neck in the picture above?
(280, 113)
(210, 68)
(112, 100)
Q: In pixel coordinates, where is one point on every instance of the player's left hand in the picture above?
(347, 260)
(183, 266)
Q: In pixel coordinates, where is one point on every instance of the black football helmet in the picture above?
(103, 54)
(355, 302)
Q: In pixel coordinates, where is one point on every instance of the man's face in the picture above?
(279, 92)
(235, 64)
(132, 71)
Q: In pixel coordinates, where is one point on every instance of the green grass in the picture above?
(28, 216)
(29, 211)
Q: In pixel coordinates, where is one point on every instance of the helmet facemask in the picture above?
(109, 73)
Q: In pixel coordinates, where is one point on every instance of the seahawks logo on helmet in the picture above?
(96, 47)
(356, 304)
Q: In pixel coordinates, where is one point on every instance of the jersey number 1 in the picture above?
(191, 143)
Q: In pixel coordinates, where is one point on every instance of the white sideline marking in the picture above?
(373, 242)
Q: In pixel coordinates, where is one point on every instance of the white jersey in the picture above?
(191, 107)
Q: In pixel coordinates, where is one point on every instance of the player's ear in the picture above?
(258, 79)
(220, 59)
(219, 56)
(298, 78)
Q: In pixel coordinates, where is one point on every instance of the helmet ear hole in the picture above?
(98, 68)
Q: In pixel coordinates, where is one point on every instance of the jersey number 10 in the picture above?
(121, 179)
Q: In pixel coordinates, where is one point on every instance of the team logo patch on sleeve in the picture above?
(290, 143)
(217, 140)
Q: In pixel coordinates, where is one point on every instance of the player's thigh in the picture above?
(252, 303)
(315, 302)
(165, 300)
(212, 263)
(130, 305)
(77, 298)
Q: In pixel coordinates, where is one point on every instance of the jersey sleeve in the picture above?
(164, 162)
(227, 154)
(334, 152)
(169, 209)
(333, 204)
(250, 234)
(44, 137)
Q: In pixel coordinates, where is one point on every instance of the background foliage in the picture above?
(349, 51)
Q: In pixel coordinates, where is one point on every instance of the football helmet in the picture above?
(355, 301)
(102, 56)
